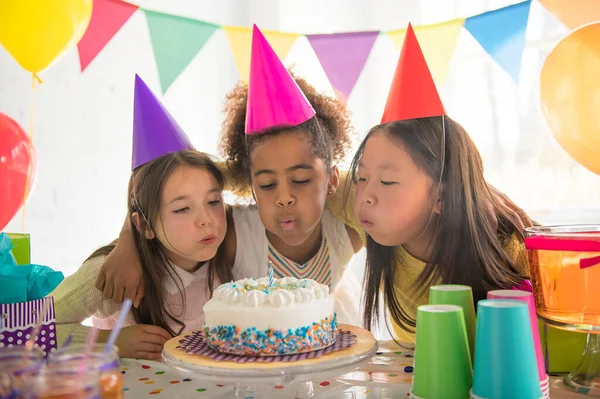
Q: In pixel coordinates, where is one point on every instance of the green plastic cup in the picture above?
(459, 295)
(442, 360)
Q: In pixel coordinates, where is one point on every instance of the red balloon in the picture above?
(17, 160)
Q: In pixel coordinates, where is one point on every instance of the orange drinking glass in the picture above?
(106, 365)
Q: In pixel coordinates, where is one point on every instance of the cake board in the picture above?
(251, 379)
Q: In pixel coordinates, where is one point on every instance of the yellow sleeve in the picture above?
(341, 204)
(75, 299)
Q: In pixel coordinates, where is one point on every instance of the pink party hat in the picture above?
(155, 132)
(274, 98)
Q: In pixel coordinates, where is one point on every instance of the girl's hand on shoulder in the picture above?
(120, 276)
(142, 341)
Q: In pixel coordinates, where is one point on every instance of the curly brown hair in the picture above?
(331, 132)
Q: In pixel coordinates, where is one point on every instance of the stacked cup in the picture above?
(505, 361)
(459, 295)
(442, 357)
(528, 298)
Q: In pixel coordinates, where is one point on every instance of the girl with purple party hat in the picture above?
(177, 219)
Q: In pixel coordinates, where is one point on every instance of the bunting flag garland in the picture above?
(176, 41)
(343, 56)
(108, 16)
(502, 35)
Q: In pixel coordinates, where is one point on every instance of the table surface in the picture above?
(387, 375)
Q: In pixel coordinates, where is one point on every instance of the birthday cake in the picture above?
(254, 318)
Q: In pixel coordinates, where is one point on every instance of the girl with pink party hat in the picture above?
(423, 201)
(178, 222)
(278, 145)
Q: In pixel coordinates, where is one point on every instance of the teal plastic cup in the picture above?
(505, 359)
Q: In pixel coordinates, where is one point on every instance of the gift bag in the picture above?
(19, 319)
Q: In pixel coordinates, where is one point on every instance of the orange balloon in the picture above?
(570, 94)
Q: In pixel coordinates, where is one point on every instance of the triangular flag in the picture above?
(108, 16)
(155, 131)
(240, 40)
(274, 98)
(413, 93)
(575, 13)
(175, 41)
(501, 33)
(343, 56)
(438, 42)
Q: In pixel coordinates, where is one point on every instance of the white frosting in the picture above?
(284, 292)
(303, 295)
(255, 298)
(281, 298)
(289, 303)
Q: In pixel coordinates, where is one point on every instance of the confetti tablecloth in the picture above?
(387, 375)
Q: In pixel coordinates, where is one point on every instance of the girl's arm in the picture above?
(76, 299)
(121, 273)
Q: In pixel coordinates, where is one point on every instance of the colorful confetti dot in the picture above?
(149, 382)
(392, 375)
(125, 368)
(144, 379)
(122, 372)
(125, 389)
(408, 369)
(201, 390)
(156, 391)
(159, 372)
(324, 383)
(173, 382)
(220, 385)
(145, 367)
(379, 353)
(186, 380)
(409, 356)
(279, 387)
(398, 353)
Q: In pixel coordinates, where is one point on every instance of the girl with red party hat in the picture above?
(422, 200)
(177, 220)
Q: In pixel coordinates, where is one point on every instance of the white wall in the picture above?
(83, 121)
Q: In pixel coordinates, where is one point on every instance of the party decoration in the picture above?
(155, 131)
(438, 42)
(502, 35)
(240, 40)
(343, 56)
(37, 32)
(413, 93)
(573, 15)
(274, 98)
(569, 83)
(176, 41)
(17, 165)
(108, 16)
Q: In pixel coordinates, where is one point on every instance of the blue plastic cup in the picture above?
(505, 361)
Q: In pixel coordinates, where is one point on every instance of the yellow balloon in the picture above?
(36, 32)
(570, 94)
